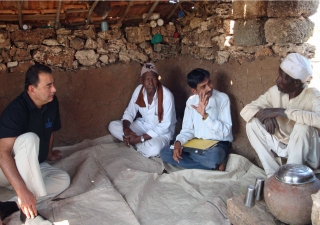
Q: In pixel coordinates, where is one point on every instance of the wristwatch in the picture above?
(142, 139)
(205, 116)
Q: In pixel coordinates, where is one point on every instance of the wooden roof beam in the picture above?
(57, 24)
(90, 11)
(173, 10)
(151, 11)
(48, 17)
(19, 4)
(126, 12)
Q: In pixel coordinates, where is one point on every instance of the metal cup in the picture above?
(250, 196)
(258, 187)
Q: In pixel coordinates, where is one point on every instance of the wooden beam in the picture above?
(151, 11)
(126, 12)
(19, 4)
(57, 24)
(90, 11)
(49, 17)
(173, 10)
(76, 10)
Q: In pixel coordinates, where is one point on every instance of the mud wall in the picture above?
(90, 99)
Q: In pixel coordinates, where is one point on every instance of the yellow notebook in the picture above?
(200, 144)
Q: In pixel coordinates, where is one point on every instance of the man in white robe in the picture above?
(286, 119)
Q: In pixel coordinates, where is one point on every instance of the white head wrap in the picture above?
(297, 67)
(147, 67)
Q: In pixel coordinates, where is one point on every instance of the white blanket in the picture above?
(113, 184)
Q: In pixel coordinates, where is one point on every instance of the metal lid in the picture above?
(294, 174)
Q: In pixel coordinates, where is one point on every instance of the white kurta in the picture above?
(161, 133)
(300, 143)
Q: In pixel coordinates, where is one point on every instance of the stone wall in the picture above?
(217, 31)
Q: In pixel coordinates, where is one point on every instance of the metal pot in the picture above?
(288, 193)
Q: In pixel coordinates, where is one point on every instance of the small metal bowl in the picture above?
(294, 174)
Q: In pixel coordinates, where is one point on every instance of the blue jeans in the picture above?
(209, 159)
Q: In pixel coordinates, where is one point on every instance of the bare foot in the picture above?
(222, 166)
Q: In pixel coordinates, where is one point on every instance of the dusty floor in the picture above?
(89, 100)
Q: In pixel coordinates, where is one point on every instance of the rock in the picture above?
(104, 59)
(12, 51)
(71, 37)
(114, 48)
(138, 56)
(12, 64)
(90, 44)
(211, 23)
(170, 29)
(77, 43)
(264, 52)
(5, 40)
(111, 35)
(292, 8)
(146, 46)
(131, 46)
(315, 214)
(22, 67)
(75, 64)
(51, 50)
(63, 40)
(207, 53)
(33, 47)
(249, 9)
(170, 40)
(87, 57)
(89, 33)
(202, 40)
(304, 49)
(35, 36)
(124, 57)
(228, 26)
(223, 10)
(101, 47)
(113, 58)
(50, 42)
(3, 67)
(219, 41)
(288, 30)
(249, 32)
(5, 56)
(155, 56)
(12, 27)
(1, 59)
(195, 23)
(138, 34)
(222, 57)
(20, 44)
(63, 31)
(22, 55)
(53, 57)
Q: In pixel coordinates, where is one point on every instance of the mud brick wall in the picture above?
(241, 43)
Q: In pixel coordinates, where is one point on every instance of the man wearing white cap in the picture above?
(286, 119)
(154, 130)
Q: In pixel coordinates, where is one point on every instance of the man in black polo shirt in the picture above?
(26, 137)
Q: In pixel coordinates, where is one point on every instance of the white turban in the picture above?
(297, 67)
(148, 67)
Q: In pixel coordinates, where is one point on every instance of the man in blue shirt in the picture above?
(207, 116)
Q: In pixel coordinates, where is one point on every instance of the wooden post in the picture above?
(151, 11)
(19, 4)
(173, 10)
(90, 12)
(126, 12)
(57, 25)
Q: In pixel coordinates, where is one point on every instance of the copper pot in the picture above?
(288, 193)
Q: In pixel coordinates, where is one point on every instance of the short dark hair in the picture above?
(32, 74)
(196, 76)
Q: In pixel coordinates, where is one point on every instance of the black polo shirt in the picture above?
(22, 116)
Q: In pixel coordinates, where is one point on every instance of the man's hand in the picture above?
(270, 113)
(271, 125)
(203, 102)
(27, 203)
(128, 133)
(177, 151)
(55, 155)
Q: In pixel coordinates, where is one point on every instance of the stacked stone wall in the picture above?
(217, 31)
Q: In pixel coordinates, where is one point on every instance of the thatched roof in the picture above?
(74, 13)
